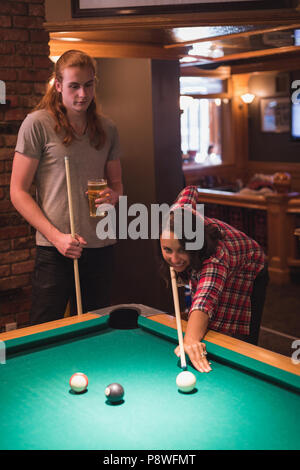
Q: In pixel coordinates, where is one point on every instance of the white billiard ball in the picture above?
(78, 382)
(186, 381)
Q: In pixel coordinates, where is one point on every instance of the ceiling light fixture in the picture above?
(68, 39)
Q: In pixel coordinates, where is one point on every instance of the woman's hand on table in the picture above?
(195, 330)
(196, 352)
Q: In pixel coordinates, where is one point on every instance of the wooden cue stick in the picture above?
(178, 317)
(76, 270)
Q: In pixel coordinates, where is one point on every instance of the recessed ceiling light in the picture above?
(69, 39)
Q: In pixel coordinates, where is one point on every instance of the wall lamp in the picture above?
(247, 97)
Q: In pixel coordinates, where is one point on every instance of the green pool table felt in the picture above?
(241, 404)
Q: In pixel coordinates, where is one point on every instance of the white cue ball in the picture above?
(186, 381)
(79, 382)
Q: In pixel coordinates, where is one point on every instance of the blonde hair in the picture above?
(52, 101)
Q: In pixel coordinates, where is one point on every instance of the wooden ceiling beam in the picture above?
(288, 16)
(233, 35)
(222, 72)
(249, 54)
(279, 63)
(113, 50)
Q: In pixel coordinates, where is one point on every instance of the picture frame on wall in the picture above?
(106, 8)
(275, 115)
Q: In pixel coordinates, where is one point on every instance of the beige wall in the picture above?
(58, 10)
(125, 94)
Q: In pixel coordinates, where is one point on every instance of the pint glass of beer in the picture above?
(95, 185)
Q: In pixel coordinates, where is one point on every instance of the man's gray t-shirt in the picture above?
(38, 139)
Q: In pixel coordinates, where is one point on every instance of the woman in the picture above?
(66, 122)
(227, 276)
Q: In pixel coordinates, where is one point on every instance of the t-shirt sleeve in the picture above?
(30, 141)
(115, 148)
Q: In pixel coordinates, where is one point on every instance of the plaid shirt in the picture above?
(223, 287)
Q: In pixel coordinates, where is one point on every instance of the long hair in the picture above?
(52, 101)
(212, 235)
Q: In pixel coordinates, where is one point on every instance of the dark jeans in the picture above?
(53, 283)
(258, 297)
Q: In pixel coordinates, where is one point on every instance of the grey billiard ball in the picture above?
(114, 393)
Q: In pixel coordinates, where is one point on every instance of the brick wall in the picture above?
(25, 69)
